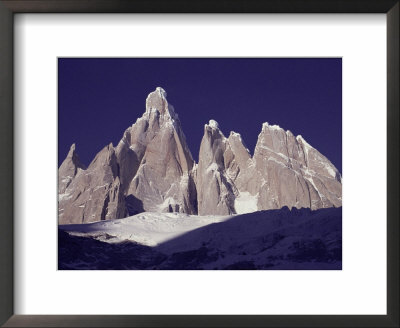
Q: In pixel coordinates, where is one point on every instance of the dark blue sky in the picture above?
(98, 98)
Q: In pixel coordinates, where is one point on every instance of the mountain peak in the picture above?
(157, 101)
(69, 169)
(214, 124)
(234, 134)
(72, 151)
(73, 156)
(162, 92)
(266, 125)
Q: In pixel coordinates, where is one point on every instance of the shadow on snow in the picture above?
(297, 239)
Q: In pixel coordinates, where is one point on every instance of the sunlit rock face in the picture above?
(294, 174)
(284, 171)
(69, 169)
(94, 193)
(216, 193)
(151, 169)
(156, 164)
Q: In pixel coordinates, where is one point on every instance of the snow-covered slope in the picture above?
(149, 229)
(273, 239)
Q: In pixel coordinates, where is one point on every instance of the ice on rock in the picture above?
(213, 124)
(162, 92)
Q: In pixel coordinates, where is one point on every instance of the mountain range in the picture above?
(152, 170)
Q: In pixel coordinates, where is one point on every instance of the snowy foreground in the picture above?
(275, 239)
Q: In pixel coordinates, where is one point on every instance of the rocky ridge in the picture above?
(151, 169)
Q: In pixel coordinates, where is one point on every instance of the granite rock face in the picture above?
(284, 171)
(215, 190)
(294, 174)
(95, 193)
(151, 169)
(156, 164)
(69, 169)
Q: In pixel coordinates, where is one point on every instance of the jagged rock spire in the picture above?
(152, 169)
(69, 169)
(156, 163)
(216, 193)
(95, 193)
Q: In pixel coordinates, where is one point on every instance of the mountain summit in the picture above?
(151, 169)
(155, 162)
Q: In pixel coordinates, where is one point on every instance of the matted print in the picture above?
(199, 163)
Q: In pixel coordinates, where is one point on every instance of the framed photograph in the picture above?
(211, 164)
(158, 199)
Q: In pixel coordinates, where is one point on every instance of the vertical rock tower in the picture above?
(155, 161)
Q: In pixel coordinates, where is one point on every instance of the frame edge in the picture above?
(6, 197)
(393, 147)
(6, 165)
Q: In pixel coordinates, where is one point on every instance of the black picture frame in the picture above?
(10, 7)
